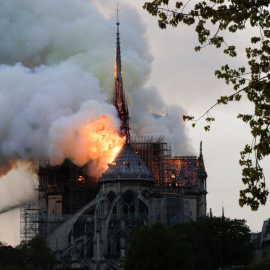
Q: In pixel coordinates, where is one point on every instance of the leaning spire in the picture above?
(119, 96)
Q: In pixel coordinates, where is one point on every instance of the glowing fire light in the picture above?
(104, 142)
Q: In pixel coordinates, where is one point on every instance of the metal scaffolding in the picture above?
(82, 187)
(153, 151)
(29, 225)
(71, 181)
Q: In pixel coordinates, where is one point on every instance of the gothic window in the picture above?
(111, 197)
(114, 245)
(125, 209)
(129, 197)
(132, 209)
(129, 202)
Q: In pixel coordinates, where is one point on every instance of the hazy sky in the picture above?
(69, 46)
(186, 78)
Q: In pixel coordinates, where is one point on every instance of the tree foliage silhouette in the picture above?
(251, 80)
(218, 242)
(158, 248)
(33, 254)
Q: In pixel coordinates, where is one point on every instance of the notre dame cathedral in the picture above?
(88, 223)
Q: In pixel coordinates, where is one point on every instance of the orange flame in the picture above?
(104, 142)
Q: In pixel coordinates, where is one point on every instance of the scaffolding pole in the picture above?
(153, 151)
(29, 221)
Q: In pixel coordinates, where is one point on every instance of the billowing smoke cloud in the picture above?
(57, 74)
(160, 119)
(44, 109)
(34, 99)
(66, 55)
(16, 187)
(21, 176)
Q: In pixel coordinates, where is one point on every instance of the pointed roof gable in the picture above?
(201, 161)
(127, 166)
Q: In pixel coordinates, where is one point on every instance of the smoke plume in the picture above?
(58, 56)
(57, 74)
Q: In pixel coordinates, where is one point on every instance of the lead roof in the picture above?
(127, 166)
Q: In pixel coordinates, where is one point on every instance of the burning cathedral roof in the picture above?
(127, 166)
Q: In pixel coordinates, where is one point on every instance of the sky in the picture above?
(186, 78)
(68, 46)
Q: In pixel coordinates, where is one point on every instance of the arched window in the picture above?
(111, 197)
(129, 197)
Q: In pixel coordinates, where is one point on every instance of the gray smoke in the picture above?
(58, 55)
(57, 74)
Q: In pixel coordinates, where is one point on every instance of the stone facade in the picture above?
(89, 223)
(98, 234)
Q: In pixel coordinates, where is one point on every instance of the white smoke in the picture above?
(21, 176)
(38, 99)
(66, 51)
(57, 73)
(160, 119)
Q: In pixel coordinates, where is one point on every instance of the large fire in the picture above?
(104, 142)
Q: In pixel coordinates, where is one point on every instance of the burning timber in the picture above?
(88, 222)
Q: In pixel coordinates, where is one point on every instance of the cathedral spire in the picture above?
(201, 164)
(201, 156)
(119, 96)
